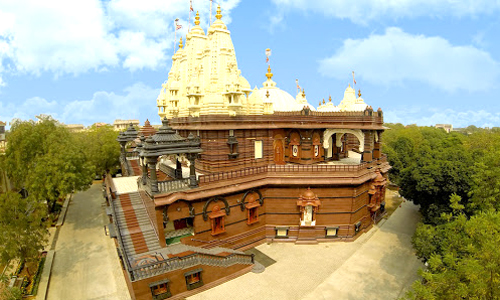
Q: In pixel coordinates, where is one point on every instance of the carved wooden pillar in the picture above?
(178, 169)
(152, 173)
(192, 171)
(377, 145)
(144, 170)
(367, 153)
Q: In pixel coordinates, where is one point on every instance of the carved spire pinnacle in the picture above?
(218, 15)
(197, 18)
(180, 44)
(269, 75)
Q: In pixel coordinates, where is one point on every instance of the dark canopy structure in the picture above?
(168, 142)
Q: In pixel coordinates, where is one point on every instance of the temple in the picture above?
(232, 167)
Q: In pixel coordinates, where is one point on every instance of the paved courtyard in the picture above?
(86, 265)
(379, 265)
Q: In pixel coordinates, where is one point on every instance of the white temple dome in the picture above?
(350, 103)
(302, 100)
(328, 107)
(281, 100)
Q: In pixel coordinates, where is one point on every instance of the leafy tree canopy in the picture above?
(23, 232)
(429, 165)
(101, 148)
(47, 160)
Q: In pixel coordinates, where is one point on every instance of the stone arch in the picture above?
(215, 199)
(260, 199)
(340, 132)
(180, 206)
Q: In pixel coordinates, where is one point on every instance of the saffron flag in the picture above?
(354, 80)
(268, 53)
(191, 5)
(298, 86)
(178, 26)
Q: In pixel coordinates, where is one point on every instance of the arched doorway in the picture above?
(333, 141)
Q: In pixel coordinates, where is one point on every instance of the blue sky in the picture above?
(421, 61)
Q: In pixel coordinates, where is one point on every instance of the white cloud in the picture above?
(431, 116)
(396, 56)
(363, 11)
(136, 102)
(72, 36)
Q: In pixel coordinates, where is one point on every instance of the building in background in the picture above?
(2, 137)
(447, 127)
(120, 125)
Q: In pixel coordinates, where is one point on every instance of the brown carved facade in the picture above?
(286, 177)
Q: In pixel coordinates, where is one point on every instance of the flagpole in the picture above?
(175, 33)
(210, 19)
(190, 6)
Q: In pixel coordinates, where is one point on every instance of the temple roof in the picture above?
(147, 129)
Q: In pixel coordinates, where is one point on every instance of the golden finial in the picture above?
(269, 75)
(197, 22)
(330, 98)
(267, 94)
(218, 15)
(359, 93)
(303, 93)
(320, 102)
(323, 100)
(180, 44)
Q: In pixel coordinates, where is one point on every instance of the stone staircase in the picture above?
(138, 234)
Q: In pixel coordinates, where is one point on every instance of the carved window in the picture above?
(217, 220)
(282, 232)
(357, 227)
(331, 232)
(294, 146)
(160, 289)
(233, 145)
(193, 279)
(252, 209)
(316, 146)
(258, 149)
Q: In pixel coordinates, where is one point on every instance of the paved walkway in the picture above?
(378, 265)
(86, 264)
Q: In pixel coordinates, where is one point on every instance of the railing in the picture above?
(121, 247)
(274, 170)
(232, 174)
(132, 154)
(167, 170)
(173, 185)
(175, 263)
(126, 165)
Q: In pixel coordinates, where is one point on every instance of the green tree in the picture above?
(462, 256)
(485, 191)
(429, 165)
(101, 148)
(47, 160)
(23, 231)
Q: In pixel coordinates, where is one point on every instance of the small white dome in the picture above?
(282, 101)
